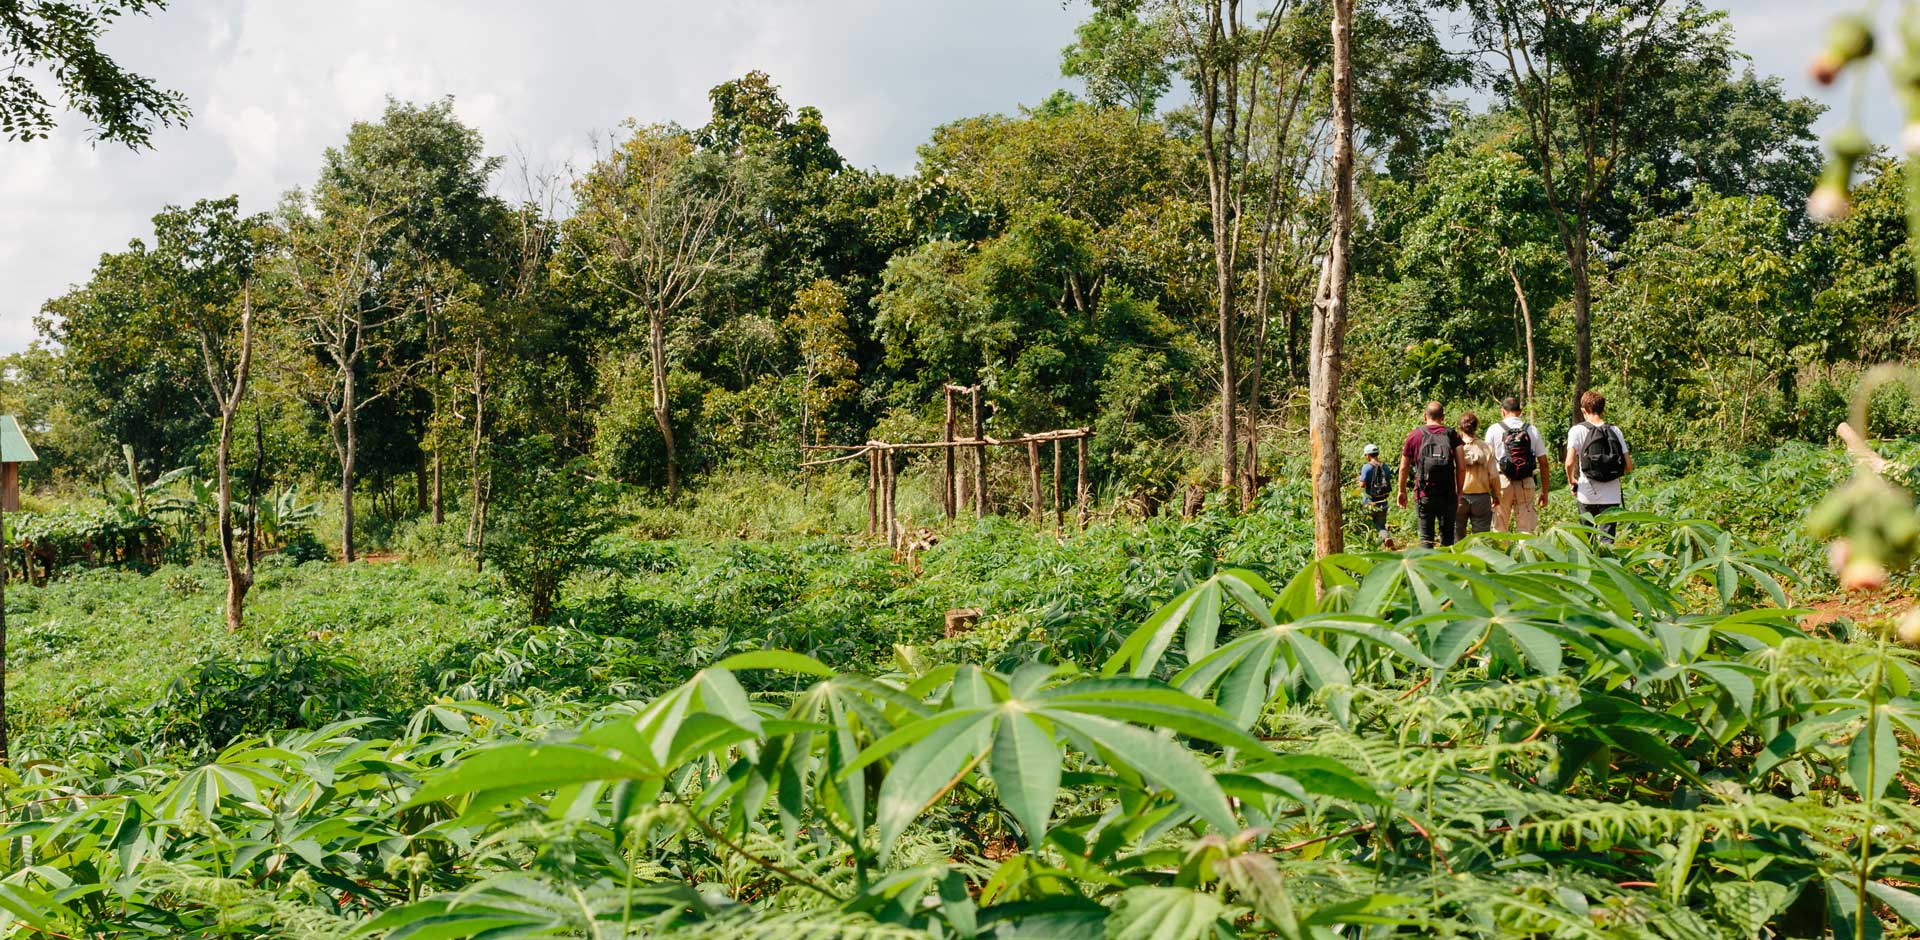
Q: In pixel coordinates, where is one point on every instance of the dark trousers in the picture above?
(1475, 514)
(1437, 517)
(1377, 512)
(1592, 512)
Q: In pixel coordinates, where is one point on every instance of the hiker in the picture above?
(1597, 458)
(1427, 462)
(1479, 477)
(1376, 485)
(1525, 476)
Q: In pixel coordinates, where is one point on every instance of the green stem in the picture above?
(741, 851)
(626, 910)
(1872, 798)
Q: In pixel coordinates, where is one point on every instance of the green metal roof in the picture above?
(13, 444)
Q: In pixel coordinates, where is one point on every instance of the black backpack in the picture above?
(1378, 485)
(1436, 459)
(1602, 459)
(1517, 459)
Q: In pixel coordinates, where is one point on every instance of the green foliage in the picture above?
(1444, 743)
(1730, 263)
(61, 41)
(297, 685)
(550, 517)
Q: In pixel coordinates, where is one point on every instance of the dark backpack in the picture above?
(1517, 459)
(1602, 459)
(1436, 459)
(1378, 486)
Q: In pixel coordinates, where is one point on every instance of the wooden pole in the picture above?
(979, 461)
(1059, 516)
(1033, 480)
(5, 754)
(893, 496)
(949, 502)
(1080, 494)
(873, 492)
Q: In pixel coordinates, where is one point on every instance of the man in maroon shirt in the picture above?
(1428, 463)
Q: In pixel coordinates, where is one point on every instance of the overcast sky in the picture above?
(271, 85)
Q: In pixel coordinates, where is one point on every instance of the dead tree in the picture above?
(335, 301)
(1330, 320)
(652, 227)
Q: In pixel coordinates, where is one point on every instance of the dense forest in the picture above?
(463, 547)
(1139, 258)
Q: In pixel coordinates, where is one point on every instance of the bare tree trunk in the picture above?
(979, 459)
(422, 475)
(1270, 222)
(1526, 321)
(435, 497)
(253, 492)
(1059, 514)
(873, 492)
(476, 455)
(950, 502)
(347, 445)
(239, 570)
(1219, 114)
(1331, 320)
(1081, 495)
(1033, 480)
(892, 475)
(1229, 388)
(657, 353)
(1582, 315)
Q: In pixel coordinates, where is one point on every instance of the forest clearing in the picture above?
(1333, 470)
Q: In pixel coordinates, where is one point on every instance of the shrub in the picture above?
(303, 546)
(547, 522)
(301, 684)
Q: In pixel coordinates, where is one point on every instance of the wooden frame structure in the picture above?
(883, 469)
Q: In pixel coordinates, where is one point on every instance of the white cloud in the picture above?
(273, 84)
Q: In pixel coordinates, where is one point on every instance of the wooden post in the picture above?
(1059, 516)
(1033, 480)
(950, 503)
(979, 460)
(886, 493)
(873, 492)
(6, 757)
(893, 495)
(1080, 494)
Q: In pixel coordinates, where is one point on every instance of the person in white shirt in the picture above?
(1523, 484)
(1597, 460)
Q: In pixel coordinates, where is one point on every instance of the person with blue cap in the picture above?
(1376, 485)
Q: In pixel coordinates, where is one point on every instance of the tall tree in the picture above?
(120, 379)
(1222, 43)
(204, 260)
(1587, 77)
(335, 304)
(1122, 58)
(1330, 322)
(524, 240)
(827, 367)
(654, 222)
(430, 172)
(60, 39)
